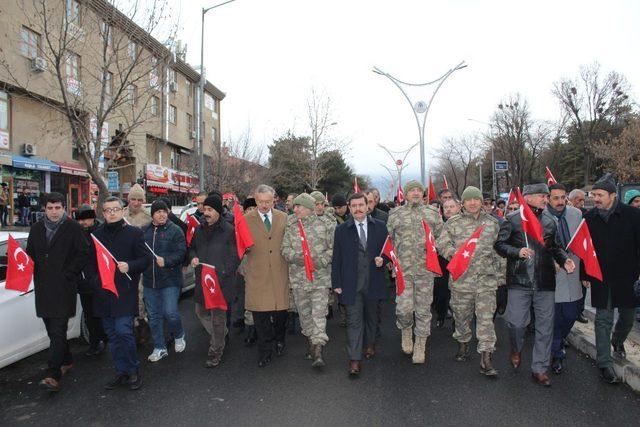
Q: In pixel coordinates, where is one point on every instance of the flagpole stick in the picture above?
(385, 244)
(526, 240)
(151, 250)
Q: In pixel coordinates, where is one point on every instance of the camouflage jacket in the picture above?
(407, 232)
(319, 232)
(487, 269)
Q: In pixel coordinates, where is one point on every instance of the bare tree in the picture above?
(622, 154)
(242, 168)
(457, 158)
(592, 102)
(319, 114)
(100, 67)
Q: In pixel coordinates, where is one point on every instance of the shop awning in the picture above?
(72, 168)
(34, 163)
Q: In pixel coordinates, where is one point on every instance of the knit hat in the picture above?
(318, 197)
(338, 200)
(214, 202)
(606, 183)
(411, 185)
(85, 212)
(630, 195)
(166, 201)
(136, 192)
(538, 188)
(471, 193)
(305, 200)
(159, 205)
(249, 202)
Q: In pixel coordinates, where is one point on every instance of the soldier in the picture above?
(406, 230)
(475, 290)
(320, 208)
(311, 297)
(339, 204)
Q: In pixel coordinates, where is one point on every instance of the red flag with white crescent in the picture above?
(530, 222)
(192, 224)
(308, 262)
(432, 263)
(356, 187)
(211, 289)
(445, 184)
(390, 252)
(106, 266)
(582, 245)
(19, 267)
(431, 192)
(459, 263)
(400, 195)
(244, 239)
(550, 178)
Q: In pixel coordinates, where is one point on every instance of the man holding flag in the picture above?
(474, 282)
(117, 258)
(58, 250)
(529, 240)
(615, 232)
(414, 228)
(308, 247)
(214, 243)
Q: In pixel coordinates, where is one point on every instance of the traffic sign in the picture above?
(501, 166)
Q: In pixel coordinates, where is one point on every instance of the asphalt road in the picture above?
(390, 391)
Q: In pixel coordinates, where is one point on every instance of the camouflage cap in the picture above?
(305, 200)
(318, 197)
(471, 193)
(411, 185)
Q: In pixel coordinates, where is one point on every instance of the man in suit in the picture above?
(59, 250)
(358, 278)
(267, 275)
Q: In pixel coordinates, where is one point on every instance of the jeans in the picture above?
(122, 343)
(59, 353)
(163, 304)
(564, 317)
(24, 216)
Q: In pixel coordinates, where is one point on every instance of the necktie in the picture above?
(363, 237)
(267, 223)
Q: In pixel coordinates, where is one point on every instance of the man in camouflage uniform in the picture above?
(475, 290)
(321, 208)
(407, 232)
(311, 297)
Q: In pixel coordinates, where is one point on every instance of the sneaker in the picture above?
(158, 354)
(180, 344)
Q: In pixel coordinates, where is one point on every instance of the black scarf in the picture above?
(606, 214)
(563, 227)
(112, 227)
(51, 227)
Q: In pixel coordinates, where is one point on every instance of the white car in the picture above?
(21, 332)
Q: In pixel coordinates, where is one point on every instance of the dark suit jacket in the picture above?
(344, 265)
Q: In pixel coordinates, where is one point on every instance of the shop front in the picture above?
(73, 182)
(178, 187)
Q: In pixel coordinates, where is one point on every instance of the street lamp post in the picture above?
(201, 97)
(399, 160)
(421, 108)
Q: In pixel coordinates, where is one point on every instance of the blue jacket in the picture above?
(168, 242)
(344, 265)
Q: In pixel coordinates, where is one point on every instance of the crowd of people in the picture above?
(310, 258)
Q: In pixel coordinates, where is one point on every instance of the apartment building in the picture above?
(106, 61)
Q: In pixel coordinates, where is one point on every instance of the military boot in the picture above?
(485, 365)
(318, 362)
(309, 354)
(407, 340)
(419, 350)
(463, 352)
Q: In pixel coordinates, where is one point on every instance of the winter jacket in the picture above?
(166, 241)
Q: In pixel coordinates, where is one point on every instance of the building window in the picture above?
(174, 157)
(189, 122)
(155, 101)
(132, 94)
(30, 46)
(73, 12)
(213, 135)
(189, 87)
(106, 31)
(108, 87)
(132, 50)
(72, 66)
(4, 120)
(173, 115)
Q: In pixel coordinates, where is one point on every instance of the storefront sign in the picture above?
(113, 181)
(163, 177)
(4, 140)
(35, 163)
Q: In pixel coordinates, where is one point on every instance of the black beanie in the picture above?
(214, 202)
(85, 212)
(249, 202)
(159, 205)
(338, 200)
(606, 183)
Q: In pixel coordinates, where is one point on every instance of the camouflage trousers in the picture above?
(312, 309)
(483, 304)
(292, 303)
(415, 300)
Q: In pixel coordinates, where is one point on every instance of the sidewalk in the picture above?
(582, 337)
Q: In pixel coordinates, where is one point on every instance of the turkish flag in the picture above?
(308, 262)
(106, 266)
(445, 184)
(192, 224)
(390, 252)
(400, 195)
(432, 263)
(19, 267)
(462, 258)
(582, 245)
(513, 195)
(431, 192)
(530, 223)
(244, 239)
(356, 187)
(213, 297)
(550, 178)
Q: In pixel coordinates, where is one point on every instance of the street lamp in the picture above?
(421, 108)
(399, 160)
(201, 96)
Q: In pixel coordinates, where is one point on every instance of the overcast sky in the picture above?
(267, 54)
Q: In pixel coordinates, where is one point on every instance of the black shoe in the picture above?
(117, 381)
(609, 376)
(135, 381)
(264, 361)
(280, 348)
(581, 318)
(556, 366)
(251, 337)
(440, 323)
(618, 350)
(95, 349)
